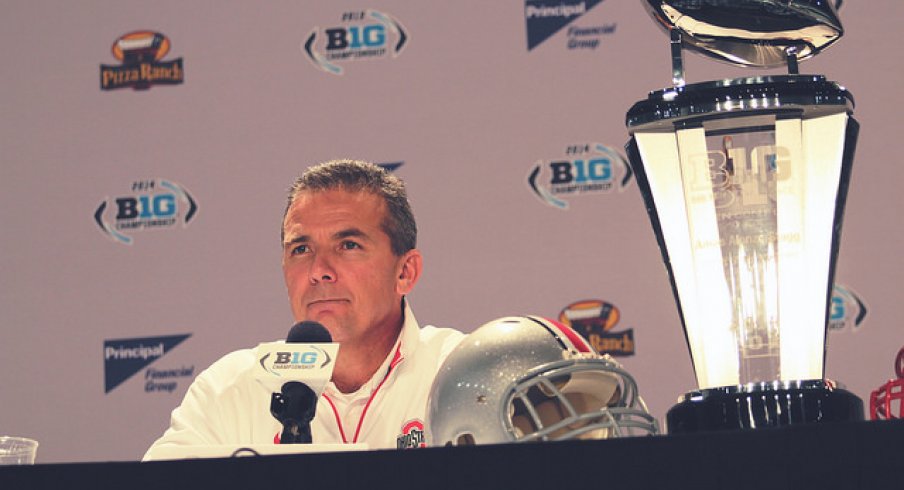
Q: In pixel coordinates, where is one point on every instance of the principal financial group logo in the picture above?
(586, 168)
(544, 18)
(152, 204)
(362, 35)
(141, 54)
(123, 358)
(594, 319)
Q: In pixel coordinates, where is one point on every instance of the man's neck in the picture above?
(358, 362)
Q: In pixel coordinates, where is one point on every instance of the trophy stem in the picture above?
(791, 57)
(677, 58)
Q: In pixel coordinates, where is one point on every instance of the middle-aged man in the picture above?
(349, 260)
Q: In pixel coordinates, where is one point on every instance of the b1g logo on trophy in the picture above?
(141, 54)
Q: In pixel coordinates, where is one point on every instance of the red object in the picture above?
(887, 402)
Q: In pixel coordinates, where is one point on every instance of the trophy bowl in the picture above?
(751, 33)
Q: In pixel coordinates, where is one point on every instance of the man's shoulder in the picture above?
(440, 339)
(433, 333)
(230, 366)
(235, 358)
(427, 334)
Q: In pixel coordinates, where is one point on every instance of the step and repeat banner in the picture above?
(146, 148)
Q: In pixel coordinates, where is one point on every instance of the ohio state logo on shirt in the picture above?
(412, 435)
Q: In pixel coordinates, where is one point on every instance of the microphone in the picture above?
(295, 404)
(308, 332)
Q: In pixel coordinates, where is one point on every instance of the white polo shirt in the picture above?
(225, 405)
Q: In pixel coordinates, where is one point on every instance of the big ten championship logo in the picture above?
(304, 358)
(125, 357)
(586, 168)
(365, 34)
(544, 18)
(594, 319)
(740, 174)
(846, 310)
(412, 435)
(141, 54)
(152, 204)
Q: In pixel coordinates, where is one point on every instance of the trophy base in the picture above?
(758, 405)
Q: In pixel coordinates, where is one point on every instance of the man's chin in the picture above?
(329, 321)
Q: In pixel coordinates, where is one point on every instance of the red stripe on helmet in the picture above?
(573, 337)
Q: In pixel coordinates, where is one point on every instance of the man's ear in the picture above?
(408, 271)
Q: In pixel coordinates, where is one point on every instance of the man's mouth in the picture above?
(326, 301)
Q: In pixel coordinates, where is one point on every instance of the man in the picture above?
(349, 260)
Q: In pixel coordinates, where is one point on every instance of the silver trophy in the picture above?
(745, 182)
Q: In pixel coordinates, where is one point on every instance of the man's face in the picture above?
(338, 264)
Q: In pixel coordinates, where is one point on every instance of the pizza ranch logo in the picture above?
(595, 320)
(141, 54)
(412, 435)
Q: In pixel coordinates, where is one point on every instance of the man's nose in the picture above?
(322, 269)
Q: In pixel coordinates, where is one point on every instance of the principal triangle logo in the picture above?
(125, 357)
(546, 17)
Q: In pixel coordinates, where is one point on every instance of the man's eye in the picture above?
(300, 249)
(347, 245)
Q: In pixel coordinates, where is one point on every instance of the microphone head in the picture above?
(308, 332)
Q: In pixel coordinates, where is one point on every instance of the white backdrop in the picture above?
(466, 108)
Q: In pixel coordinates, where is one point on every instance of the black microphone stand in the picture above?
(294, 408)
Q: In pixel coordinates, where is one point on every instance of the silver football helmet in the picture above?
(519, 379)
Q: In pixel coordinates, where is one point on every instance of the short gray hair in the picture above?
(360, 176)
